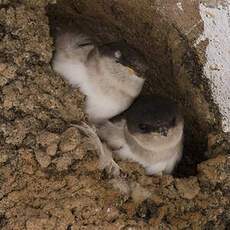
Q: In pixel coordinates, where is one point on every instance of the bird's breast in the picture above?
(152, 149)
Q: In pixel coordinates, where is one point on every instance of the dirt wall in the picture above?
(47, 178)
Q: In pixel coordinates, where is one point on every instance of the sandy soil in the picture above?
(48, 177)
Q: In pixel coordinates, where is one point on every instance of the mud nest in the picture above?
(47, 178)
(163, 76)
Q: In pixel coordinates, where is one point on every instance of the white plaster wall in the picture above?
(216, 17)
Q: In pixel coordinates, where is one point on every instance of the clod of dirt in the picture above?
(49, 141)
(70, 139)
(147, 209)
(43, 159)
(188, 188)
(52, 149)
(63, 163)
(47, 138)
(216, 170)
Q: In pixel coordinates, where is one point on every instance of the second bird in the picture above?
(150, 133)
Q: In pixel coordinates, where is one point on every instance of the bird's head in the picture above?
(117, 59)
(154, 119)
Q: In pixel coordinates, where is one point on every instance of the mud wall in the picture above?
(173, 38)
(47, 178)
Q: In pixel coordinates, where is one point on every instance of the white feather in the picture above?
(109, 91)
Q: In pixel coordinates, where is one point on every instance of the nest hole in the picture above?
(160, 77)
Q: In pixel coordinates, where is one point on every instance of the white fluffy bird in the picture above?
(110, 87)
(150, 133)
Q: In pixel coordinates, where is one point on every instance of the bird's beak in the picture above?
(131, 72)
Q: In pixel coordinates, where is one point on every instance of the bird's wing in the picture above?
(112, 134)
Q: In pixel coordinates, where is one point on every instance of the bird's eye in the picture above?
(163, 131)
(145, 128)
(117, 54)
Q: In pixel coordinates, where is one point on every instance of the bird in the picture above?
(149, 132)
(102, 73)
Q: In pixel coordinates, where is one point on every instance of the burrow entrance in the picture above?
(174, 69)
